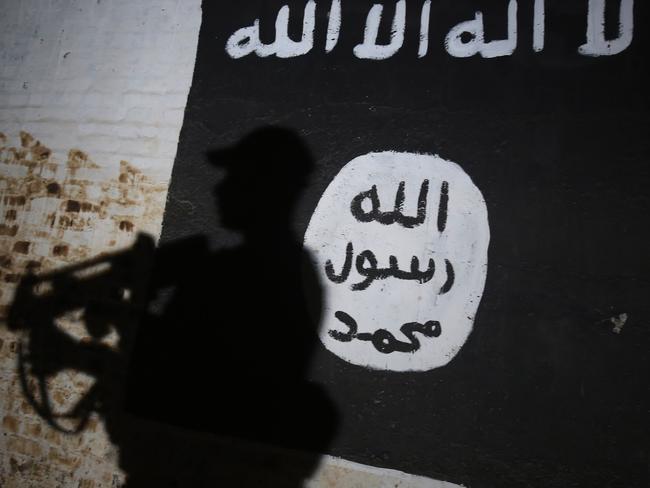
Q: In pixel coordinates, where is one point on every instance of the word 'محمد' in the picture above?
(464, 40)
(383, 340)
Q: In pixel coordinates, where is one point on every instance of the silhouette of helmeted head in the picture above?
(266, 171)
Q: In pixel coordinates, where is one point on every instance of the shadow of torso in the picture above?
(229, 353)
(227, 349)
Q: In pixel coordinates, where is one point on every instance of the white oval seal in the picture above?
(400, 242)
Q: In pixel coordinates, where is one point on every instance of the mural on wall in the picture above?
(400, 241)
(427, 349)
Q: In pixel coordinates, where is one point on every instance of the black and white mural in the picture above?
(467, 181)
(409, 236)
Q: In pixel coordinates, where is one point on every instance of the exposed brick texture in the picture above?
(92, 96)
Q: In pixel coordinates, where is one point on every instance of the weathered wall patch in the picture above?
(400, 241)
(54, 213)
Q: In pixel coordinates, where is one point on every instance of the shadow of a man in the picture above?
(230, 349)
(225, 345)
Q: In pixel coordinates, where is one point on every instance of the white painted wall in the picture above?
(111, 79)
(108, 77)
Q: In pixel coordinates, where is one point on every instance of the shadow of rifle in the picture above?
(81, 318)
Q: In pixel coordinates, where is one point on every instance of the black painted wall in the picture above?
(544, 393)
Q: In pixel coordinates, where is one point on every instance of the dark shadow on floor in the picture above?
(211, 390)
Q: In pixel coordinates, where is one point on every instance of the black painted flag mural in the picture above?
(414, 234)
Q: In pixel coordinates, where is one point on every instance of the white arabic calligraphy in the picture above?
(463, 40)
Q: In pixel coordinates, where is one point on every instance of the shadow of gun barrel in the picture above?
(64, 317)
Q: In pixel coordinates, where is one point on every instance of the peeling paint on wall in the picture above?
(83, 86)
(618, 322)
(54, 213)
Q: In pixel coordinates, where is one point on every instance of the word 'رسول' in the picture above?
(372, 272)
(463, 40)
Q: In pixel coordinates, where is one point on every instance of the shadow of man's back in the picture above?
(228, 347)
